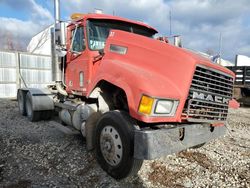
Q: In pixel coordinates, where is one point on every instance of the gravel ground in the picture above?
(45, 155)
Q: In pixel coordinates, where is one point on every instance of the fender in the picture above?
(135, 81)
(121, 84)
(42, 99)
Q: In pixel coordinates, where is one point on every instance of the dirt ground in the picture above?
(44, 154)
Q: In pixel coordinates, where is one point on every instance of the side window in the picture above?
(78, 38)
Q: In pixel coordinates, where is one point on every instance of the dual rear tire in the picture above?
(26, 108)
(21, 97)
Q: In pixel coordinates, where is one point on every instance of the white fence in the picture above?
(35, 70)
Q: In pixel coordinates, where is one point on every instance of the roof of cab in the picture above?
(110, 17)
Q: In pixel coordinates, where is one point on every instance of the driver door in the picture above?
(77, 66)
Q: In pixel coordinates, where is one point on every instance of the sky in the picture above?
(199, 22)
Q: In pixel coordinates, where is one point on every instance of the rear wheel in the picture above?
(115, 145)
(21, 102)
(31, 114)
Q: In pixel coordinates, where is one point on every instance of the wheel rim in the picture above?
(111, 145)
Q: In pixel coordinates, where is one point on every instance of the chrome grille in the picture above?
(208, 82)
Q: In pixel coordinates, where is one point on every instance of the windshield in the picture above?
(98, 31)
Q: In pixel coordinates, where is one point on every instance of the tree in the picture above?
(9, 43)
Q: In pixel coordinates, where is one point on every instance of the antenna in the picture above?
(220, 45)
(170, 24)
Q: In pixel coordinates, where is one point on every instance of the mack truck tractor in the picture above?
(132, 97)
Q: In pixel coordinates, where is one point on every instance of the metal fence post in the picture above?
(18, 81)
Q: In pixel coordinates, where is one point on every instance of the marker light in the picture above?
(76, 16)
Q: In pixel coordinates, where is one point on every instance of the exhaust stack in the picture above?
(57, 65)
(57, 22)
(177, 41)
(56, 61)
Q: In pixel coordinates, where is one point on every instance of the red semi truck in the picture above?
(133, 97)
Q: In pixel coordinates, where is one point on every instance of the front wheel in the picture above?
(115, 145)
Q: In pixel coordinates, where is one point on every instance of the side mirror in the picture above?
(60, 52)
(99, 57)
(101, 52)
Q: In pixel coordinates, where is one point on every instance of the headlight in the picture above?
(157, 107)
(164, 106)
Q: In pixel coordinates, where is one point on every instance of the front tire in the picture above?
(115, 145)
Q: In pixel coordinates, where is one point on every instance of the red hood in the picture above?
(154, 68)
(157, 54)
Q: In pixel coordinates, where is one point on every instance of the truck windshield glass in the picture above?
(98, 31)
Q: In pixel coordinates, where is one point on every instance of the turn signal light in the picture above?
(146, 105)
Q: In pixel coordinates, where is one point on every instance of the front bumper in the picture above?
(151, 144)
